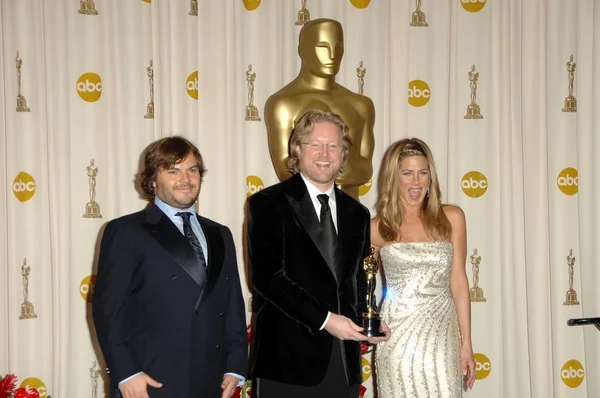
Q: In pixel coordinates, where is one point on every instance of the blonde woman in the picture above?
(422, 247)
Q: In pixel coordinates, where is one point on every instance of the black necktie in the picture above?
(328, 234)
(199, 272)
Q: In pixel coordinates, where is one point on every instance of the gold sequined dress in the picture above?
(422, 357)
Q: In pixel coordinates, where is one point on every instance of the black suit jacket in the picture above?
(296, 287)
(151, 316)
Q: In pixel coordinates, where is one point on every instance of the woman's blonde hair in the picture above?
(390, 210)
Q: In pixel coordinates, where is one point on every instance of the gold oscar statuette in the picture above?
(315, 88)
(473, 111)
(27, 310)
(371, 321)
(21, 101)
(418, 17)
(150, 107)
(87, 7)
(251, 110)
(571, 295)
(95, 374)
(303, 14)
(92, 208)
(360, 73)
(193, 8)
(476, 291)
(570, 100)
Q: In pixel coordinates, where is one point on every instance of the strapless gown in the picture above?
(422, 356)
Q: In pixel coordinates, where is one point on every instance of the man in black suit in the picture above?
(306, 243)
(168, 306)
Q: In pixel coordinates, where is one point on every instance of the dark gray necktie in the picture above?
(199, 274)
(328, 234)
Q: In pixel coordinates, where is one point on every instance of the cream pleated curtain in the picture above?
(515, 172)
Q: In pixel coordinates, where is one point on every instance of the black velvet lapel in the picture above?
(347, 231)
(216, 255)
(169, 237)
(300, 202)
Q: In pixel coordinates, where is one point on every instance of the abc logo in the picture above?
(191, 85)
(473, 5)
(86, 287)
(418, 93)
(36, 384)
(567, 181)
(89, 87)
(366, 369)
(572, 373)
(253, 185)
(483, 366)
(251, 4)
(474, 184)
(360, 3)
(23, 186)
(363, 189)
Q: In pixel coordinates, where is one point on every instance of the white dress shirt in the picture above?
(313, 191)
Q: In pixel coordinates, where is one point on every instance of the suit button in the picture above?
(196, 312)
(221, 315)
(218, 346)
(174, 277)
(227, 279)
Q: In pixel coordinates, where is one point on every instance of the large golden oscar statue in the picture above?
(321, 49)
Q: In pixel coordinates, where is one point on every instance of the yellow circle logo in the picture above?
(366, 369)
(483, 366)
(89, 87)
(251, 4)
(568, 181)
(360, 3)
(191, 85)
(86, 287)
(418, 93)
(572, 373)
(147, 1)
(253, 185)
(474, 184)
(363, 189)
(24, 186)
(473, 5)
(36, 384)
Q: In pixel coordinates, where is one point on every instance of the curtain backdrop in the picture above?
(84, 87)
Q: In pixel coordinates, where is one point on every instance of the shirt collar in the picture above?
(313, 191)
(169, 210)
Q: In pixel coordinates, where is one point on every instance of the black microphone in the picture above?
(583, 321)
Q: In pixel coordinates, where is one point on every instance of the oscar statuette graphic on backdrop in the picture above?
(21, 101)
(27, 311)
(193, 8)
(360, 73)
(87, 7)
(476, 292)
(251, 110)
(571, 295)
(570, 100)
(150, 107)
(419, 17)
(303, 14)
(95, 374)
(92, 208)
(473, 111)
